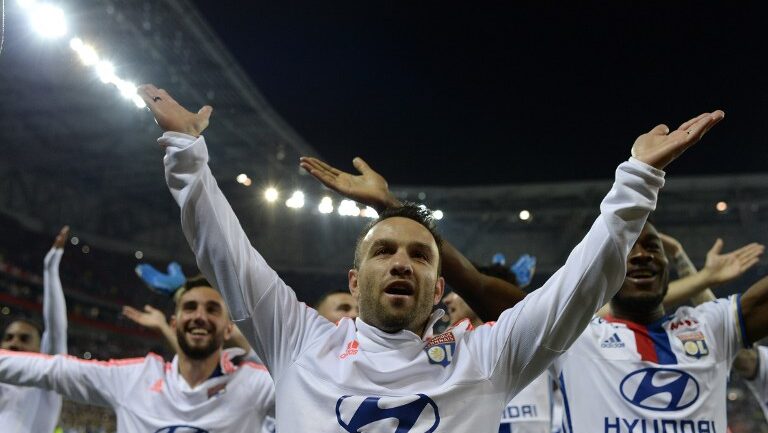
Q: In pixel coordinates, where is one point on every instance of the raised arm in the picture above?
(153, 319)
(54, 339)
(754, 311)
(718, 269)
(92, 382)
(528, 337)
(260, 303)
(487, 296)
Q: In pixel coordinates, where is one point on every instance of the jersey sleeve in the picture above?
(526, 338)
(265, 309)
(759, 385)
(54, 338)
(90, 382)
(725, 321)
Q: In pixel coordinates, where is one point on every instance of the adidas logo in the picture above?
(612, 342)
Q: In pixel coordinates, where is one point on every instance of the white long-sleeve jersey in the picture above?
(667, 376)
(33, 410)
(759, 385)
(149, 395)
(353, 377)
(530, 411)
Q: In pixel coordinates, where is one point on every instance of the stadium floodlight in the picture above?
(127, 89)
(369, 212)
(326, 205)
(86, 52)
(721, 206)
(348, 208)
(47, 20)
(271, 194)
(438, 214)
(296, 201)
(241, 178)
(525, 215)
(106, 72)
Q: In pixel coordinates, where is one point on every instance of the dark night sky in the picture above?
(479, 92)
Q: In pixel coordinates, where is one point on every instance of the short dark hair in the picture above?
(498, 271)
(28, 321)
(192, 282)
(328, 294)
(409, 210)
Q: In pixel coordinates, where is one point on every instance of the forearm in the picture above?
(258, 300)
(549, 319)
(487, 296)
(71, 378)
(694, 287)
(747, 363)
(54, 339)
(754, 309)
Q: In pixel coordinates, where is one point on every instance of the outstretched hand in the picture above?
(151, 317)
(659, 147)
(61, 238)
(170, 115)
(722, 268)
(369, 187)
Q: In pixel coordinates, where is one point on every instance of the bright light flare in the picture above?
(348, 208)
(438, 215)
(369, 212)
(525, 215)
(271, 195)
(296, 201)
(721, 206)
(47, 19)
(241, 178)
(106, 72)
(326, 205)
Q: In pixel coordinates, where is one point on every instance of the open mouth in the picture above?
(400, 288)
(198, 332)
(642, 275)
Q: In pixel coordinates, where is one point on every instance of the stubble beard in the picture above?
(198, 353)
(375, 311)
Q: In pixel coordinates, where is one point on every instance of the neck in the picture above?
(475, 321)
(641, 317)
(197, 371)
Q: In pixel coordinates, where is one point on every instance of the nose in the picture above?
(638, 255)
(401, 264)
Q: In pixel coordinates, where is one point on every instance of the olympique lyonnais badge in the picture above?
(694, 344)
(440, 349)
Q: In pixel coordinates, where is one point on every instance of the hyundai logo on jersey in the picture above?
(181, 429)
(661, 389)
(409, 414)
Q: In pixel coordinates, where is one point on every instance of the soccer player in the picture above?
(337, 305)
(33, 410)
(530, 410)
(200, 391)
(385, 371)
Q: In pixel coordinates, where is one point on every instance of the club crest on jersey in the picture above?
(694, 344)
(683, 323)
(409, 414)
(440, 349)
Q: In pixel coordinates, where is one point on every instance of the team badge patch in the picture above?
(440, 349)
(694, 344)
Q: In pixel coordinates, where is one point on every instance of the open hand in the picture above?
(170, 115)
(721, 268)
(659, 147)
(61, 238)
(151, 317)
(369, 188)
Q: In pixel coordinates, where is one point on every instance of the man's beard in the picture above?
(198, 353)
(383, 316)
(644, 303)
